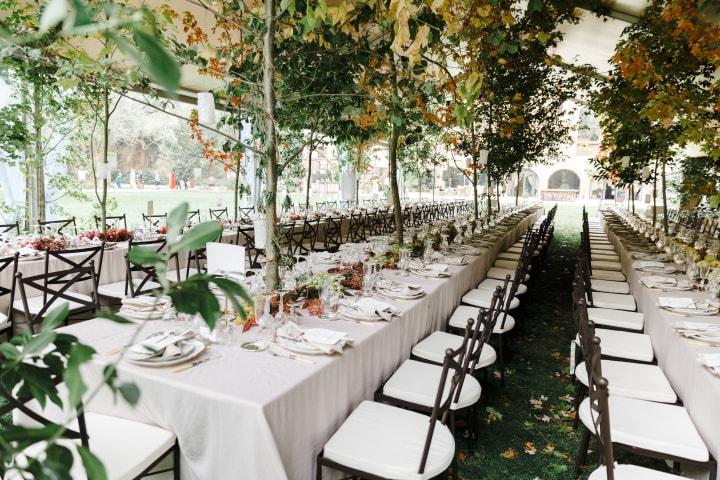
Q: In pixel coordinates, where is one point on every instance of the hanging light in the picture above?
(483, 156)
(625, 161)
(206, 108)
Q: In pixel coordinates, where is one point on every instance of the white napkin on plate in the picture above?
(164, 345)
(370, 306)
(328, 341)
(655, 281)
(642, 264)
(455, 260)
(676, 302)
(711, 361)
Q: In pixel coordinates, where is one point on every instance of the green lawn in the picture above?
(526, 430)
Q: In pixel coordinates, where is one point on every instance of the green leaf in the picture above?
(144, 256)
(177, 219)
(111, 316)
(162, 66)
(55, 317)
(73, 379)
(58, 460)
(193, 296)
(93, 466)
(38, 343)
(197, 237)
(130, 392)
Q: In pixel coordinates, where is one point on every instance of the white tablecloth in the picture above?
(677, 356)
(254, 416)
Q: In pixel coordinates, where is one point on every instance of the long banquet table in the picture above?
(246, 415)
(698, 388)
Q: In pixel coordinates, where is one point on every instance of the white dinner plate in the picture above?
(400, 296)
(353, 314)
(298, 346)
(694, 311)
(194, 348)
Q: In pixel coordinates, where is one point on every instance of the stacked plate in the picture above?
(432, 270)
(311, 341)
(666, 283)
(687, 306)
(166, 348)
(146, 307)
(400, 291)
(465, 250)
(652, 266)
(368, 310)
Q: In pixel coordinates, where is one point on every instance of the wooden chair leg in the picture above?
(579, 392)
(176, 461)
(582, 452)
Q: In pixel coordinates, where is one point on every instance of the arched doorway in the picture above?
(563, 184)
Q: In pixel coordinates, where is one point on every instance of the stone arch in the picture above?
(564, 179)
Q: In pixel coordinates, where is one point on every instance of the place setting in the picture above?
(368, 309)
(166, 348)
(687, 306)
(666, 284)
(399, 291)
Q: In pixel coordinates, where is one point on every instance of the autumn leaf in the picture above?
(510, 454)
(530, 448)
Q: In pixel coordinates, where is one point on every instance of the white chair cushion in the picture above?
(4, 321)
(417, 382)
(35, 304)
(634, 380)
(483, 298)
(510, 264)
(614, 301)
(172, 275)
(509, 256)
(117, 289)
(387, 442)
(124, 447)
(652, 426)
(433, 348)
(608, 275)
(462, 313)
(603, 247)
(610, 286)
(606, 265)
(604, 257)
(625, 345)
(617, 318)
(491, 283)
(632, 472)
(501, 273)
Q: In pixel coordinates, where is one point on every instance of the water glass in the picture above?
(368, 278)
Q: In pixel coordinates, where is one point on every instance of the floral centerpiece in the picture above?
(116, 235)
(351, 275)
(52, 244)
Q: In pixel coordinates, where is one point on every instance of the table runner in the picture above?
(254, 416)
(677, 356)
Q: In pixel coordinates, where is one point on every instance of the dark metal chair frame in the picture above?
(218, 214)
(67, 222)
(8, 227)
(155, 219)
(111, 221)
(6, 262)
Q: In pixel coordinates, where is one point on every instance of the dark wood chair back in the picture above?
(219, 214)
(9, 227)
(114, 221)
(59, 226)
(156, 220)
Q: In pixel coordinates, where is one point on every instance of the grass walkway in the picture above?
(526, 430)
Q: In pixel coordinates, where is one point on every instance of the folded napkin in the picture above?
(370, 306)
(657, 281)
(450, 260)
(146, 307)
(711, 361)
(696, 326)
(677, 302)
(642, 264)
(164, 345)
(650, 256)
(325, 340)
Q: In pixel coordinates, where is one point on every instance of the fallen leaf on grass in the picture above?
(510, 454)
(530, 448)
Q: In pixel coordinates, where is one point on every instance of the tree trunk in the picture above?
(517, 190)
(420, 187)
(433, 191)
(654, 205)
(476, 204)
(29, 173)
(489, 192)
(271, 166)
(309, 174)
(632, 197)
(394, 192)
(497, 192)
(38, 120)
(106, 142)
(236, 195)
(664, 198)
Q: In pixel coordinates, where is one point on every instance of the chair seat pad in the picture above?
(172, 275)
(387, 442)
(510, 264)
(4, 321)
(633, 472)
(602, 247)
(614, 301)
(433, 347)
(501, 273)
(483, 298)
(35, 304)
(617, 318)
(462, 313)
(608, 275)
(610, 286)
(604, 257)
(606, 265)
(634, 380)
(491, 283)
(117, 289)
(125, 447)
(625, 345)
(417, 382)
(659, 427)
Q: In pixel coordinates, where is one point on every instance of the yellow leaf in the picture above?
(510, 454)
(530, 448)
